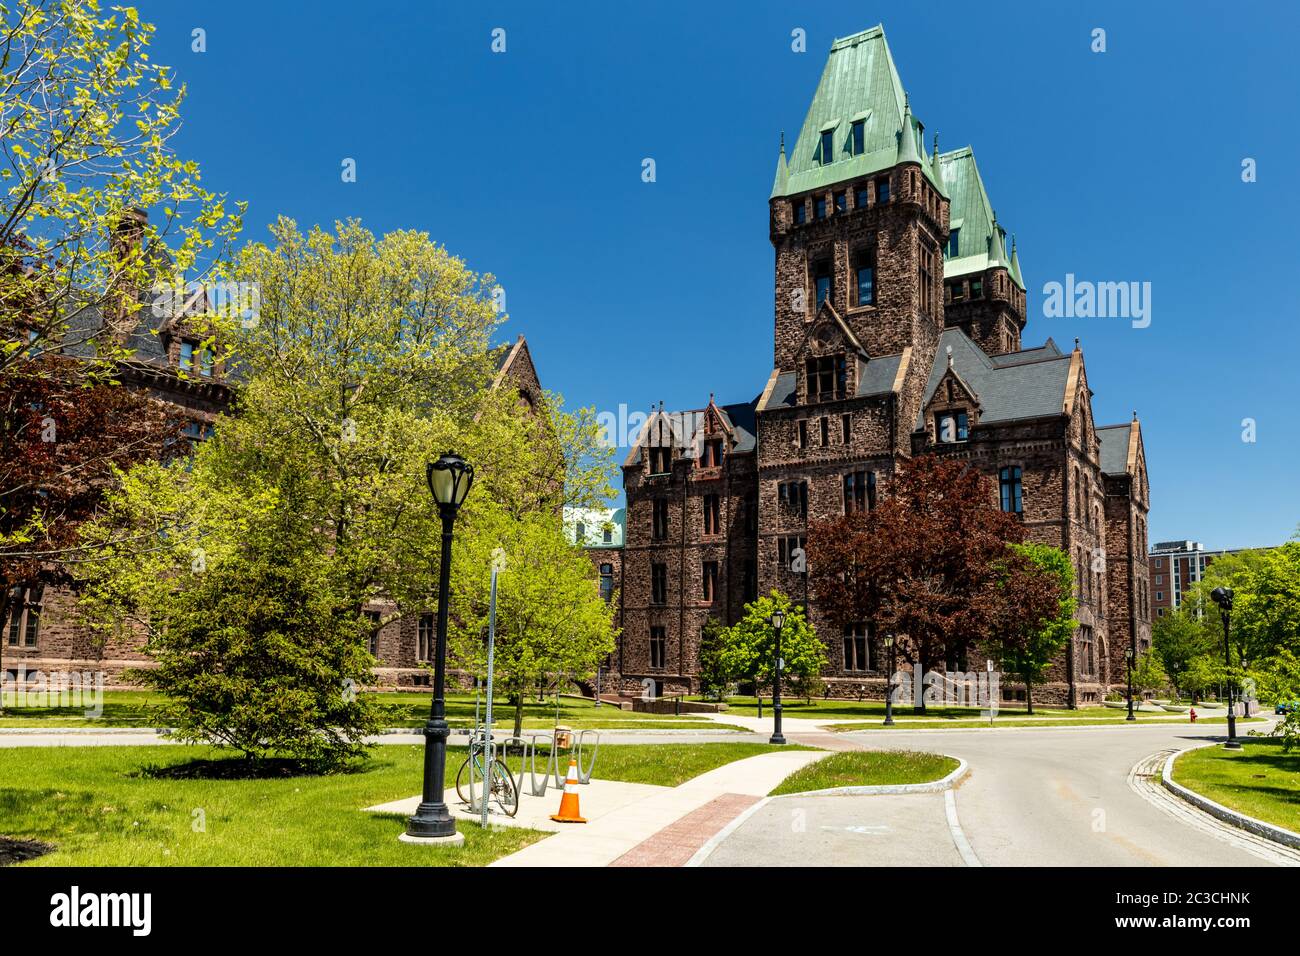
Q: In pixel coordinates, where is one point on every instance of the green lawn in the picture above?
(131, 708)
(131, 806)
(1258, 780)
(867, 768)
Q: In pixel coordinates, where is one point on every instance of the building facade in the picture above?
(897, 325)
(1174, 566)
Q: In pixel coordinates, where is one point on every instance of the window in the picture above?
(793, 496)
(580, 534)
(951, 427)
(846, 428)
(790, 553)
(751, 514)
(803, 433)
(373, 618)
(827, 378)
(1160, 596)
(860, 197)
(858, 137)
(658, 583)
(1160, 562)
(659, 526)
(25, 616)
(977, 288)
(819, 207)
(658, 647)
(1160, 579)
(864, 278)
(424, 638)
(750, 582)
(1010, 487)
(882, 191)
(1160, 612)
(925, 277)
(661, 460)
(952, 242)
(859, 491)
(713, 453)
(712, 519)
(607, 582)
(607, 536)
(709, 585)
(827, 147)
(800, 212)
(190, 351)
(957, 291)
(822, 282)
(857, 648)
(197, 431)
(826, 432)
(841, 202)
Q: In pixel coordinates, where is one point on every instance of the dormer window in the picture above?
(827, 378)
(882, 191)
(194, 358)
(712, 457)
(800, 212)
(661, 460)
(841, 203)
(827, 146)
(952, 242)
(858, 137)
(819, 207)
(951, 427)
(580, 533)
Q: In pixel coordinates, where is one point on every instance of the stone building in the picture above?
(898, 319)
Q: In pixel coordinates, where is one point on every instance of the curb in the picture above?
(88, 731)
(1258, 827)
(1122, 725)
(934, 786)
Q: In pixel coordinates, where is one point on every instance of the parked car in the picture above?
(1286, 707)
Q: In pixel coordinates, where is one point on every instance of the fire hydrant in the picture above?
(1193, 715)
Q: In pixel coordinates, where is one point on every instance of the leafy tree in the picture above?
(1029, 610)
(749, 648)
(1177, 639)
(258, 654)
(552, 623)
(1202, 673)
(918, 563)
(1149, 673)
(370, 358)
(713, 675)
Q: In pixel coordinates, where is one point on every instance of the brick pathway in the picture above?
(678, 842)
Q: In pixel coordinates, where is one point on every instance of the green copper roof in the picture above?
(936, 170)
(971, 212)
(859, 82)
(782, 172)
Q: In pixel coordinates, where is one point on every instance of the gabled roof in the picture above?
(1007, 390)
(971, 212)
(1119, 447)
(859, 82)
(738, 419)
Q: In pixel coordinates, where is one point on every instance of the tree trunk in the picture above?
(518, 701)
(1029, 697)
(4, 636)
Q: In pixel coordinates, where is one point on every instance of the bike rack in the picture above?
(584, 773)
(528, 761)
(487, 748)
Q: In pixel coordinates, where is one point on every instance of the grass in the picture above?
(133, 708)
(867, 768)
(138, 806)
(1258, 780)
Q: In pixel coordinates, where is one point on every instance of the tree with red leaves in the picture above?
(918, 564)
(62, 436)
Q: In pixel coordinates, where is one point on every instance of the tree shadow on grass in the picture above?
(246, 768)
(13, 850)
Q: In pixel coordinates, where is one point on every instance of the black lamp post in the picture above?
(449, 481)
(889, 689)
(1223, 598)
(778, 622)
(1128, 656)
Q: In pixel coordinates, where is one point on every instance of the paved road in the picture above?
(1033, 797)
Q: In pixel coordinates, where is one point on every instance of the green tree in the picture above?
(1149, 673)
(712, 673)
(1177, 639)
(1028, 607)
(749, 651)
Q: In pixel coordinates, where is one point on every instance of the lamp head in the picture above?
(449, 478)
(1222, 597)
(778, 619)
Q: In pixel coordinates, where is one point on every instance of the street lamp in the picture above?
(449, 481)
(889, 689)
(778, 621)
(1128, 656)
(1223, 597)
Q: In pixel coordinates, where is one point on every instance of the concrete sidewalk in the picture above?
(718, 796)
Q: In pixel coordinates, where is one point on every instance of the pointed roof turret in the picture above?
(1015, 264)
(997, 254)
(907, 152)
(936, 171)
(782, 179)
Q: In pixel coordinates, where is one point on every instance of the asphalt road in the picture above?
(1046, 797)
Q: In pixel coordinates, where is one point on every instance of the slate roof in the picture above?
(1007, 390)
(740, 418)
(877, 378)
(1114, 448)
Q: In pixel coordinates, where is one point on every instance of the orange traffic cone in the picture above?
(569, 812)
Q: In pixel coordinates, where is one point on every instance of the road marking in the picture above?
(954, 827)
(1144, 780)
(873, 828)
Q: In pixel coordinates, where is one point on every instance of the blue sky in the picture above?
(1123, 165)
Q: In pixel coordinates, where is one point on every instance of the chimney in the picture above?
(122, 303)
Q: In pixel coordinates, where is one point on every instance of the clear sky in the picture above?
(1117, 166)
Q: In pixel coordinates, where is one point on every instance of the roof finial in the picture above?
(783, 141)
(1076, 343)
(1135, 414)
(950, 356)
(710, 398)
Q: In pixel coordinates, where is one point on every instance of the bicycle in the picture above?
(502, 787)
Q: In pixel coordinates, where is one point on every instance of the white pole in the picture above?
(487, 722)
